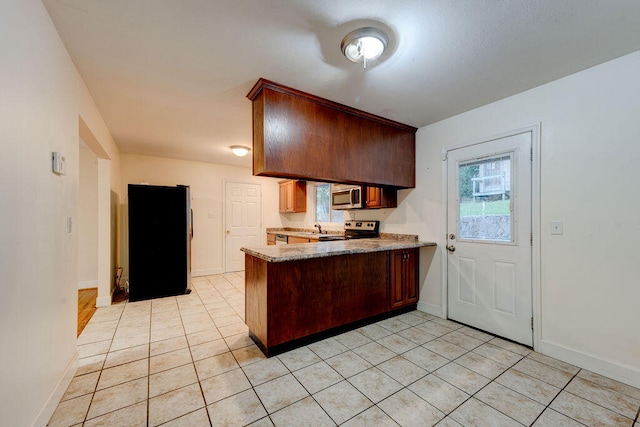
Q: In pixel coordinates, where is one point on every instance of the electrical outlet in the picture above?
(556, 227)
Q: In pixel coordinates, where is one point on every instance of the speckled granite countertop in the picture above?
(299, 251)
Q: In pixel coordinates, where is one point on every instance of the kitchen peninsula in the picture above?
(297, 291)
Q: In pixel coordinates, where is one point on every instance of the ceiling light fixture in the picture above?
(240, 150)
(364, 44)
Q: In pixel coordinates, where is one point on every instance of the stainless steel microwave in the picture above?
(347, 196)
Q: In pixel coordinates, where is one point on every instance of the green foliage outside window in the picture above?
(323, 205)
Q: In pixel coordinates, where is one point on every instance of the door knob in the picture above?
(228, 231)
(451, 248)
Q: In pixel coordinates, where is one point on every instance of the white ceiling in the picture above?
(170, 77)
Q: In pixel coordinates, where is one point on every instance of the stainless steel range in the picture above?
(361, 229)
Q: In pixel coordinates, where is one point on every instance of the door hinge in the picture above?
(531, 154)
(532, 323)
(531, 239)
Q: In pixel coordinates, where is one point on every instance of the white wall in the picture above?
(206, 183)
(40, 102)
(590, 148)
(87, 218)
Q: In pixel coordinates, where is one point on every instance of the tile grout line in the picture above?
(410, 361)
(564, 387)
(310, 394)
(391, 333)
(305, 388)
(204, 399)
(433, 373)
(452, 385)
(471, 396)
(615, 411)
(95, 389)
(522, 357)
(231, 293)
(239, 367)
(556, 396)
(149, 365)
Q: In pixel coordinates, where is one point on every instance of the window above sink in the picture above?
(323, 211)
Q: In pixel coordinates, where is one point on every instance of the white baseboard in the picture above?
(624, 374)
(432, 309)
(86, 284)
(206, 272)
(103, 301)
(54, 398)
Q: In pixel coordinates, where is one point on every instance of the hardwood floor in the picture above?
(86, 306)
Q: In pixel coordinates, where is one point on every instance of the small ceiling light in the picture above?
(364, 44)
(240, 150)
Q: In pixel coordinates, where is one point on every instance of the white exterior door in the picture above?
(243, 218)
(489, 236)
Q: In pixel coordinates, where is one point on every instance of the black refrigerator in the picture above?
(160, 233)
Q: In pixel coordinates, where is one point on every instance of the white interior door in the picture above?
(489, 237)
(243, 218)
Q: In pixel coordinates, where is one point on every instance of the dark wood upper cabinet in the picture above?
(301, 136)
(378, 197)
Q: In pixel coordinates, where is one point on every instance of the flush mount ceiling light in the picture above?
(364, 44)
(240, 150)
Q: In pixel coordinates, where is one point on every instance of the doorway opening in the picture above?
(96, 219)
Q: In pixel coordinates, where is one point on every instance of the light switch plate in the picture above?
(556, 227)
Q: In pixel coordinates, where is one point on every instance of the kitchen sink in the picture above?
(329, 237)
(320, 236)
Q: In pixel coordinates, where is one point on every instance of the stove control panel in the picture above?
(361, 225)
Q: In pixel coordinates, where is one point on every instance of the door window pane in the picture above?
(484, 202)
(324, 213)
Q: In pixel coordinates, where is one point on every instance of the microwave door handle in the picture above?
(352, 192)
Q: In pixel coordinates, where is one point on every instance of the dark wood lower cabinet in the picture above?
(403, 280)
(287, 301)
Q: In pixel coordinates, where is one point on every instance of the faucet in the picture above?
(319, 228)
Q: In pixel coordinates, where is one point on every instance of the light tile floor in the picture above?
(188, 361)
